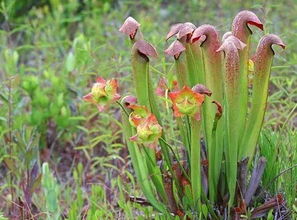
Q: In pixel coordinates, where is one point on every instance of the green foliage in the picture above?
(77, 205)
(51, 192)
(52, 49)
(97, 197)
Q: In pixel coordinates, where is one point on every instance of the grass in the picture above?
(49, 57)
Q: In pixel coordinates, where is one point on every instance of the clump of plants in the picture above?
(200, 163)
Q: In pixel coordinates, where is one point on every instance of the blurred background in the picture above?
(51, 51)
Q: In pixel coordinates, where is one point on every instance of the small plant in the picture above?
(51, 192)
(200, 170)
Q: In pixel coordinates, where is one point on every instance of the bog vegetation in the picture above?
(114, 110)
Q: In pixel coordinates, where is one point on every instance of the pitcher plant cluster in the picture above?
(218, 102)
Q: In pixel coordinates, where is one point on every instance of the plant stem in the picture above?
(195, 162)
(144, 92)
(123, 109)
(139, 164)
(195, 64)
(263, 62)
(178, 161)
(181, 71)
(10, 146)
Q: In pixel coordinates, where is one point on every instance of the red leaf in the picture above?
(146, 48)
(186, 30)
(130, 27)
(174, 29)
(240, 28)
(175, 49)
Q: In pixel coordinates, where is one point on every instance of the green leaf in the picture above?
(70, 62)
